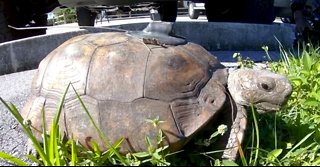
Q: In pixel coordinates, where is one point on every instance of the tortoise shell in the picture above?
(124, 82)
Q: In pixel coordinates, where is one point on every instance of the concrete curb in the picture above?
(26, 54)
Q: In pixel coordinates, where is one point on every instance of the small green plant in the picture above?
(156, 154)
(266, 50)
(248, 63)
(208, 141)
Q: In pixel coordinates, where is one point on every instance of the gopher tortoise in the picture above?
(126, 78)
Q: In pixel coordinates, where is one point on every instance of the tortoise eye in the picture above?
(267, 84)
(266, 87)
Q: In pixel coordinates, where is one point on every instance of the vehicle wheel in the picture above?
(168, 11)
(193, 14)
(85, 16)
(5, 33)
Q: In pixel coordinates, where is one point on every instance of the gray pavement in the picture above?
(14, 88)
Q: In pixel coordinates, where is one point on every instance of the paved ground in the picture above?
(14, 88)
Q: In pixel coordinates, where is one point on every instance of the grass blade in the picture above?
(54, 133)
(44, 135)
(26, 128)
(242, 157)
(257, 134)
(275, 132)
(74, 151)
(34, 159)
(252, 143)
(51, 145)
(297, 145)
(12, 159)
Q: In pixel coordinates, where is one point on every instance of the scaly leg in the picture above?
(236, 134)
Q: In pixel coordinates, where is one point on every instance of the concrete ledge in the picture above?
(226, 36)
(236, 36)
(26, 54)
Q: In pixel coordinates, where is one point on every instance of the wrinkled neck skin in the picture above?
(235, 88)
(267, 91)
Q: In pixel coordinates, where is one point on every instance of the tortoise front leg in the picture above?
(236, 134)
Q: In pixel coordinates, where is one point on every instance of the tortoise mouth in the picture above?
(265, 107)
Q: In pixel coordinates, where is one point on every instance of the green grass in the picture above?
(299, 121)
(286, 138)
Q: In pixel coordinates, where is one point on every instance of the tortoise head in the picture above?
(266, 90)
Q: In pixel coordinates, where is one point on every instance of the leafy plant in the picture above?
(300, 117)
(247, 62)
(303, 71)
